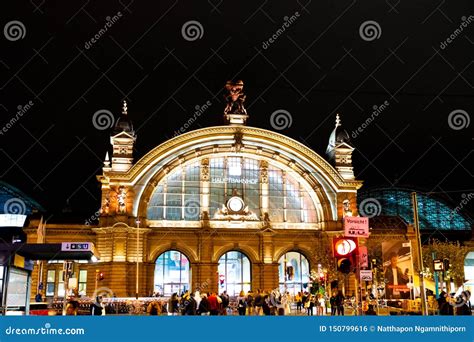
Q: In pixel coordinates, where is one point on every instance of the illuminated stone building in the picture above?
(223, 208)
(228, 207)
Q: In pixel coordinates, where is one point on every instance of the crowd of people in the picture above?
(251, 303)
(459, 305)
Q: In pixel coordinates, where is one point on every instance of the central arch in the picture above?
(319, 178)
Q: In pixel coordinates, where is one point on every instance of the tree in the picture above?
(454, 251)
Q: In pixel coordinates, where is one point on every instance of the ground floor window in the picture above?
(234, 273)
(293, 272)
(171, 273)
(50, 283)
(82, 283)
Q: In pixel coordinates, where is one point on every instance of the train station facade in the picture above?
(230, 208)
(223, 208)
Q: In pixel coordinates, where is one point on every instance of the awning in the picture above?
(49, 251)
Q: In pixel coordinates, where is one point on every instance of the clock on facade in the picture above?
(235, 204)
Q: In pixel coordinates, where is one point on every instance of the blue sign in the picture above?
(237, 328)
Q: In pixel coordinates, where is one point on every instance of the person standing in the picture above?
(204, 306)
(321, 305)
(332, 302)
(71, 308)
(298, 300)
(443, 305)
(250, 303)
(266, 304)
(213, 304)
(96, 307)
(241, 303)
(258, 302)
(225, 302)
(465, 307)
(370, 311)
(190, 306)
(287, 302)
(340, 303)
(173, 304)
(154, 308)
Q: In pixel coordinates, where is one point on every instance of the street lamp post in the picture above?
(416, 223)
(137, 251)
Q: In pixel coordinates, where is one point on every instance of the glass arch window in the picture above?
(171, 273)
(234, 273)
(178, 196)
(293, 272)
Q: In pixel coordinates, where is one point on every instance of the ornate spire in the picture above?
(124, 108)
(107, 159)
(338, 120)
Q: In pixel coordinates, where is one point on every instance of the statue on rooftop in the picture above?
(234, 98)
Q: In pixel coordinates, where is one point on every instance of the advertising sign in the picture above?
(363, 256)
(365, 275)
(356, 226)
(398, 269)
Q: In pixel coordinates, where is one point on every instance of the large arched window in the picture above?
(178, 195)
(234, 273)
(171, 273)
(293, 272)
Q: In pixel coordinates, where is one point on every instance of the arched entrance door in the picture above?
(234, 273)
(293, 272)
(171, 273)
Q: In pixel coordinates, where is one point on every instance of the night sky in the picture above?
(324, 62)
